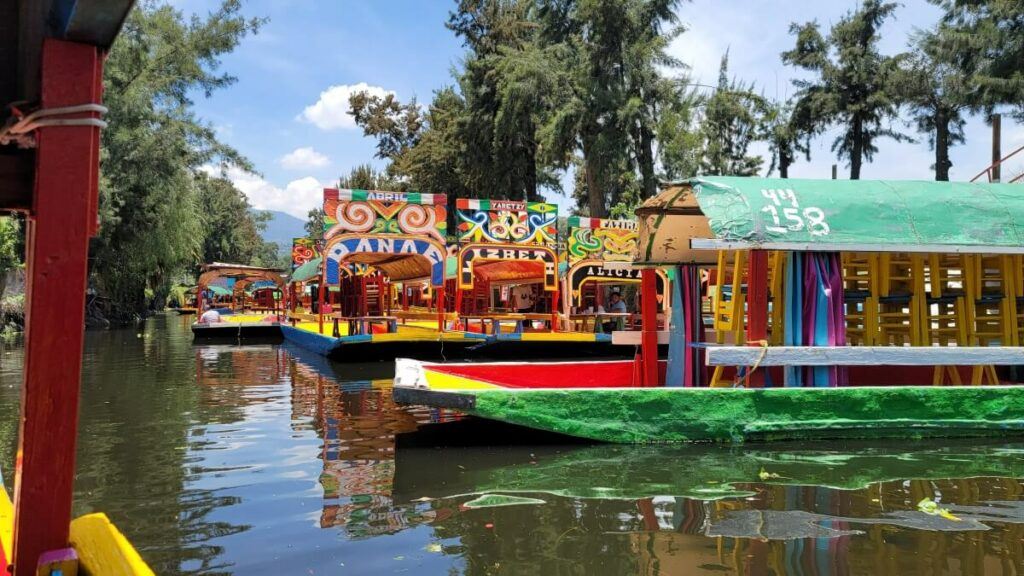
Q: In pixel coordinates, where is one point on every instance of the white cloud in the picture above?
(297, 198)
(331, 111)
(304, 158)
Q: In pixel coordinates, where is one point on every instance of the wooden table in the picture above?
(495, 321)
(362, 325)
(596, 319)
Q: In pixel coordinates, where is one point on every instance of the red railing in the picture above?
(987, 172)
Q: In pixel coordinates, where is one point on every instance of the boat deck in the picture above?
(421, 339)
(239, 326)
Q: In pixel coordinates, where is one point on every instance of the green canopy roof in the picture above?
(219, 290)
(307, 271)
(851, 215)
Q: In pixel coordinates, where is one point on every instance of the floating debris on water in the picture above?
(495, 500)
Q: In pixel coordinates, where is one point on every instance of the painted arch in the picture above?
(400, 257)
(602, 271)
(472, 254)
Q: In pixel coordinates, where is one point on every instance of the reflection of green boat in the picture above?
(708, 472)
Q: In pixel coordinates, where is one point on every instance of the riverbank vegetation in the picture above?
(165, 206)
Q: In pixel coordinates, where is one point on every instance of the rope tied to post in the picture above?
(20, 127)
(744, 381)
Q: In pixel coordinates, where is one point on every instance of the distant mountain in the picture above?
(282, 228)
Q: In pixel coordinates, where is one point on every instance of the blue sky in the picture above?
(287, 110)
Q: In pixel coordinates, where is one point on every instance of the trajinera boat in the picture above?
(249, 301)
(387, 280)
(801, 309)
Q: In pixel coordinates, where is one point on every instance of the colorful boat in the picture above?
(508, 286)
(600, 254)
(250, 297)
(854, 309)
(387, 283)
(372, 241)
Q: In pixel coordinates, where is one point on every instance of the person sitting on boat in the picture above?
(210, 317)
(616, 305)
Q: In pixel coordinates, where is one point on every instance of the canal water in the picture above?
(264, 459)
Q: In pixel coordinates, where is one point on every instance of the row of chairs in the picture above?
(894, 299)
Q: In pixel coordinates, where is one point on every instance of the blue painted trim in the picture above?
(318, 343)
(674, 373)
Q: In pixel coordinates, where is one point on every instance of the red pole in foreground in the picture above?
(649, 322)
(57, 238)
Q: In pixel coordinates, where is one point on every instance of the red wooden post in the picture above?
(57, 238)
(757, 306)
(554, 310)
(439, 299)
(649, 322)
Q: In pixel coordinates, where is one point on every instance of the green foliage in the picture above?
(992, 31)
(365, 177)
(936, 85)
(315, 223)
(153, 195)
(730, 125)
(781, 129)
(679, 135)
(10, 242)
(231, 228)
(852, 88)
(614, 52)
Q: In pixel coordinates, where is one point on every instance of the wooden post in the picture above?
(320, 298)
(995, 174)
(649, 323)
(757, 306)
(554, 310)
(57, 239)
(835, 172)
(439, 300)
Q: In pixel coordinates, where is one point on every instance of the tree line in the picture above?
(165, 204)
(589, 86)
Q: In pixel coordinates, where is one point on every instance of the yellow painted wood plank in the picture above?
(103, 550)
(557, 337)
(6, 523)
(441, 381)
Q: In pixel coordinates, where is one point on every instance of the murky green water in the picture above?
(260, 459)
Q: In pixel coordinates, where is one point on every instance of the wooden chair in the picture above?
(992, 307)
(860, 298)
(728, 304)
(901, 299)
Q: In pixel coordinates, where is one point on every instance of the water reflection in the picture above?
(266, 459)
(615, 510)
(357, 422)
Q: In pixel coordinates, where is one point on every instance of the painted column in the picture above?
(57, 239)
(649, 322)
